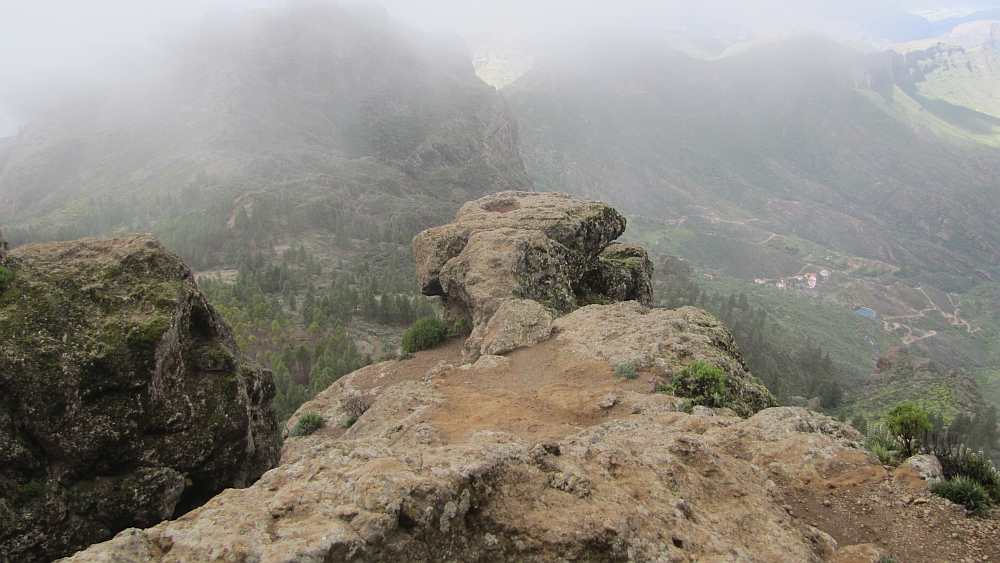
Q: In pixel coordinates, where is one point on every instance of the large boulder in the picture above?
(545, 247)
(517, 324)
(124, 399)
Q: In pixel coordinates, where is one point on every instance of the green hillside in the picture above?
(793, 157)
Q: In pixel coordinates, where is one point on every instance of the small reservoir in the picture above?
(865, 312)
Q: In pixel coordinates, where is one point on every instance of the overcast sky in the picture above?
(47, 44)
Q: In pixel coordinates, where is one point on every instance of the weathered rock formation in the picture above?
(657, 485)
(124, 399)
(549, 248)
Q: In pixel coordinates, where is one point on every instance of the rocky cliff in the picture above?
(124, 399)
(543, 456)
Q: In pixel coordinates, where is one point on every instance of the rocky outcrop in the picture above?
(664, 342)
(655, 486)
(549, 248)
(124, 399)
(3, 248)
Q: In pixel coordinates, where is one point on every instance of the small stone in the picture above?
(608, 401)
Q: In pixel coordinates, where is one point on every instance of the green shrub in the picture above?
(963, 462)
(626, 371)
(424, 334)
(963, 491)
(462, 327)
(860, 424)
(881, 443)
(5, 276)
(703, 383)
(32, 490)
(883, 455)
(907, 422)
(306, 425)
(887, 559)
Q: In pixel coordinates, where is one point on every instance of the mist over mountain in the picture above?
(321, 93)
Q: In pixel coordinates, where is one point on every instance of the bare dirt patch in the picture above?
(900, 516)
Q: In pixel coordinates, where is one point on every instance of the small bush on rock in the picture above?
(462, 327)
(703, 383)
(964, 491)
(626, 371)
(354, 404)
(424, 334)
(306, 425)
(5, 276)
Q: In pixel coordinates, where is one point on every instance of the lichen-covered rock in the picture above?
(549, 248)
(584, 226)
(623, 273)
(517, 323)
(123, 396)
(504, 264)
(664, 341)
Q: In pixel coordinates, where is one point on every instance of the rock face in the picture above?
(123, 396)
(664, 341)
(549, 248)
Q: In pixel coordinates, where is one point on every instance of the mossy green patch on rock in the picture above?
(117, 377)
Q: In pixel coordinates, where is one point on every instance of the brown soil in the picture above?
(896, 512)
(544, 394)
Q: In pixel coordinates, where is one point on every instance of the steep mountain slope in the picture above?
(338, 98)
(789, 158)
(783, 139)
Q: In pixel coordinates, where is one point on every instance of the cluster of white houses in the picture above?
(811, 279)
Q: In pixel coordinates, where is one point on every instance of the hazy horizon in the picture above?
(47, 47)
